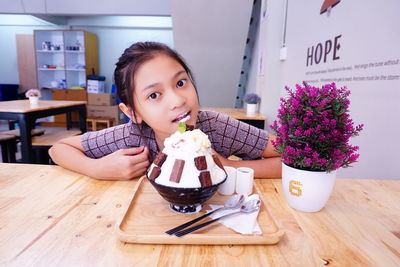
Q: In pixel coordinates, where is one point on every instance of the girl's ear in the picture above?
(129, 112)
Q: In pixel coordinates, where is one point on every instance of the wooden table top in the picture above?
(23, 106)
(237, 113)
(53, 217)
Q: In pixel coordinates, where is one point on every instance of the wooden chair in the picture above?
(16, 132)
(41, 144)
(93, 121)
(8, 145)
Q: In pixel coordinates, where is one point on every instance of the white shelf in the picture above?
(75, 51)
(69, 63)
(61, 51)
(50, 69)
(76, 70)
(50, 51)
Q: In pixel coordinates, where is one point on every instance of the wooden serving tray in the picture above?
(148, 216)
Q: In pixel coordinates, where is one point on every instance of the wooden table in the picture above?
(26, 115)
(257, 120)
(53, 217)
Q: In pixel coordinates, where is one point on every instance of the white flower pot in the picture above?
(251, 109)
(33, 100)
(307, 191)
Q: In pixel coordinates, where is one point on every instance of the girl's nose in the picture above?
(176, 100)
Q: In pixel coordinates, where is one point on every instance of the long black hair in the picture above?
(131, 60)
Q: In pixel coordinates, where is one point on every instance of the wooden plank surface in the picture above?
(53, 217)
(237, 113)
(22, 106)
(52, 135)
(91, 53)
(148, 217)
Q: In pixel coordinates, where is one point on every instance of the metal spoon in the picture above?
(231, 203)
(247, 207)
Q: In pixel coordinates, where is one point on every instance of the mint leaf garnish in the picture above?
(182, 127)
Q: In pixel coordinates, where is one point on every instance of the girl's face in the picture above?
(164, 96)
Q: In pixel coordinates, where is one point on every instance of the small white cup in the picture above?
(244, 181)
(228, 187)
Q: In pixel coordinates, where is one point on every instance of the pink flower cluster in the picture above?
(314, 127)
(32, 92)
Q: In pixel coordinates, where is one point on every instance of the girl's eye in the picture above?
(154, 95)
(181, 83)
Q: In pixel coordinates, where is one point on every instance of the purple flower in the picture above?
(298, 132)
(308, 161)
(295, 121)
(314, 128)
(252, 98)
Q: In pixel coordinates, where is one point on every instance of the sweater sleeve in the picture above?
(233, 137)
(101, 143)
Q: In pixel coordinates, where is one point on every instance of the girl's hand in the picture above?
(124, 164)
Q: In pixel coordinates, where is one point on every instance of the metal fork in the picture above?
(247, 207)
(232, 203)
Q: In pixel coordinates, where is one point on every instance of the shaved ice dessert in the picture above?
(187, 161)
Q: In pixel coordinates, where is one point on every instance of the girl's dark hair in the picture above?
(131, 60)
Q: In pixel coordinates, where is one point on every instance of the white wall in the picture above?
(268, 80)
(211, 36)
(86, 7)
(10, 25)
(369, 34)
(114, 35)
(22, 6)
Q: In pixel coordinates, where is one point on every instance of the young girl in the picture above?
(157, 92)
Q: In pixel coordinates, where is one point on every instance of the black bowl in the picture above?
(186, 200)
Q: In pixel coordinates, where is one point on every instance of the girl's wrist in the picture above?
(231, 163)
(96, 170)
(228, 162)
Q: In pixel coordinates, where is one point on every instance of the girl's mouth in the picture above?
(183, 117)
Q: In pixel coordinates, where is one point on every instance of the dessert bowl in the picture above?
(186, 200)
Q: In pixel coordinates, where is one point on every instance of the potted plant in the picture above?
(313, 132)
(33, 95)
(252, 101)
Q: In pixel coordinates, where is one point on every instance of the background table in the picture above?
(53, 217)
(257, 120)
(26, 115)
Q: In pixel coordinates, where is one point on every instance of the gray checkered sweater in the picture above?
(228, 137)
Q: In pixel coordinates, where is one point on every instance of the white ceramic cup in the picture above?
(244, 181)
(228, 187)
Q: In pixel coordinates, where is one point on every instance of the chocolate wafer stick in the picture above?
(205, 179)
(200, 163)
(155, 172)
(160, 159)
(218, 162)
(177, 170)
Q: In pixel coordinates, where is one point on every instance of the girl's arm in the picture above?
(123, 164)
(268, 167)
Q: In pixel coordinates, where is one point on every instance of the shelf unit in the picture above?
(56, 61)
